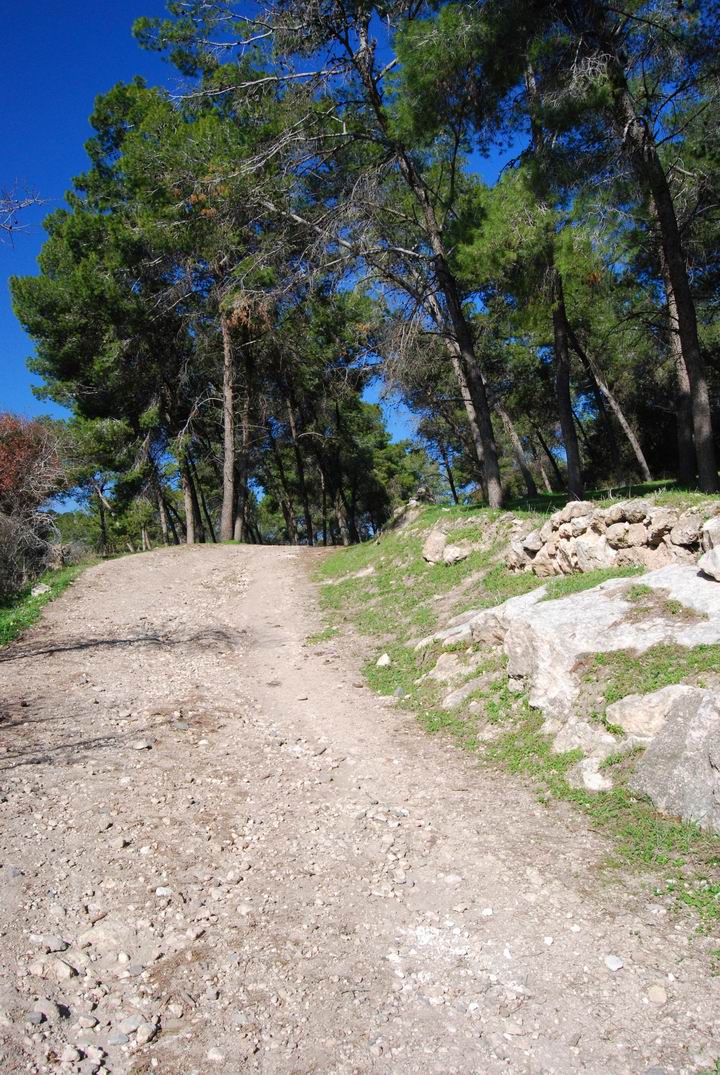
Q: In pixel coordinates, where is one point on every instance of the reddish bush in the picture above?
(30, 464)
(30, 472)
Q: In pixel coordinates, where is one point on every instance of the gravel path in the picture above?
(222, 853)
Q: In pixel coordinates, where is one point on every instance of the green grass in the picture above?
(569, 584)
(24, 609)
(401, 601)
(322, 636)
(624, 673)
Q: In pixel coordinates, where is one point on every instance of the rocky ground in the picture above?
(221, 852)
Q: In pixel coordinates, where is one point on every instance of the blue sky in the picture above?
(58, 55)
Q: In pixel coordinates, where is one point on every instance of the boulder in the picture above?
(711, 534)
(516, 558)
(434, 546)
(662, 520)
(626, 535)
(680, 767)
(533, 541)
(641, 716)
(688, 528)
(574, 509)
(544, 565)
(579, 525)
(454, 554)
(644, 556)
(545, 640)
(592, 551)
(630, 511)
(546, 531)
(709, 563)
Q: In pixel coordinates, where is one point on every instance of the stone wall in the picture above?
(635, 533)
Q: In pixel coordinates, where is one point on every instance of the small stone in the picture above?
(123, 957)
(142, 744)
(657, 995)
(130, 1024)
(87, 1022)
(383, 662)
(70, 1054)
(145, 1033)
(614, 963)
(49, 1008)
(36, 1018)
(163, 890)
(50, 942)
(118, 1038)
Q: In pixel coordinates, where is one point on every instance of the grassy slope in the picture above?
(387, 591)
(24, 609)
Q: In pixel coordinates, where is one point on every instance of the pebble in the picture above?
(614, 963)
(383, 662)
(36, 1018)
(118, 1038)
(145, 1033)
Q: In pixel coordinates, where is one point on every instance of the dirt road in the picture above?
(222, 853)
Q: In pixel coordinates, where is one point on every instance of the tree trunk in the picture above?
(447, 285)
(286, 502)
(639, 145)
(341, 517)
(300, 466)
(551, 458)
(203, 502)
(186, 483)
(541, 467)
(162, 515)
(562, 388)
(324, 509)
(103, 525)
(518, 450)
(448, 471)
(687, 461)
(471, 385)
(228, 499)
(615, 406)
(176, 521)
(599, 400)
(240, 528)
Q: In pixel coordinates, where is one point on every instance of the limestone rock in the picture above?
(533, 542)
(631, 511)
(434, 546)
(662, 521)
(644, 556)
(641, 716)
(680, 768)
(574, 509)
(709, 563)
(711, 534)
(688, 528)
(454, 554)
(592, 551)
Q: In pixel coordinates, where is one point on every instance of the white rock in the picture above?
(383, 662)
(711, 534)
(709, 562)
(614, 963)
(434, 546)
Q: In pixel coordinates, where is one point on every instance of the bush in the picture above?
(31, 471)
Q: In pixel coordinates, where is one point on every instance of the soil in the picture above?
(222, 852)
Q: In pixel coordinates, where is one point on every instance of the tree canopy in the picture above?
(307, 217)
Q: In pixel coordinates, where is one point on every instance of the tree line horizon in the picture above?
(244, 256)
